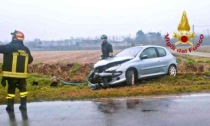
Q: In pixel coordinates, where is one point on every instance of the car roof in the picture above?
(146, 46)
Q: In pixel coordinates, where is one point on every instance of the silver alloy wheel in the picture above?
(133, 79)
(130, 77)
(172, 70)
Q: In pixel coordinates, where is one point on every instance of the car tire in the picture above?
(172, 70)
(130, 78)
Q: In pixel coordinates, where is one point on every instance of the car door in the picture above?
(163, 59)
(148, 65)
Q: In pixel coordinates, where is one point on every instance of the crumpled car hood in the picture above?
(111, 60)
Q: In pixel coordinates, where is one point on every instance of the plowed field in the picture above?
(51, 57)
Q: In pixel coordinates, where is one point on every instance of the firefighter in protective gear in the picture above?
(16, 58)
(106, 48)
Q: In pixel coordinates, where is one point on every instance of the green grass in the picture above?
(207, 73)
(155, 86)
(190, 61)
(76, 67)
(178, 60)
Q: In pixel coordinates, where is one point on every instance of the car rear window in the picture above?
(162, 52)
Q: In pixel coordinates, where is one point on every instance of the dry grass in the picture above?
(156, 86)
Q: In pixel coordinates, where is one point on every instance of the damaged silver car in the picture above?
(132, 64)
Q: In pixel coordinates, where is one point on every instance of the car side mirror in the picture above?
(143, 57)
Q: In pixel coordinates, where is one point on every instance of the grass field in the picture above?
(75, 65)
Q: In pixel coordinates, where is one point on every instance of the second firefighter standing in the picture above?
(106, 48)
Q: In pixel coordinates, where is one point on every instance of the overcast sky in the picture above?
(62, 19)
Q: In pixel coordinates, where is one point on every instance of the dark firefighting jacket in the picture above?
(15, 59)
(106, 49)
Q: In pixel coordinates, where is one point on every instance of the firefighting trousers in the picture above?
(14, 83)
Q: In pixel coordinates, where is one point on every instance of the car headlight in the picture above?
(113, 68)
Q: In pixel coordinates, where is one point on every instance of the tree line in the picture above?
(141, 38)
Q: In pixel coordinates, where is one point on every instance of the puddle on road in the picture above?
(150, 105)
(103, 112)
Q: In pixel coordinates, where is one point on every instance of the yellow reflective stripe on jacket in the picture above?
(10, 96)
(14, 61)
(26, 64)
(23, 94)
(14, 74)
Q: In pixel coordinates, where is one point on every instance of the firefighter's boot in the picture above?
(10, 105)
(11, 115)
(24, 115)
(22, 106)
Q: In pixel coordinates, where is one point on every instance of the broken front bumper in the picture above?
(95, 79)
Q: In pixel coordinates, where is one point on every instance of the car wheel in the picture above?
(172, 70)
(130, 78)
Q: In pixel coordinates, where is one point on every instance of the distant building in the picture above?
(92, 44)
(121, 44)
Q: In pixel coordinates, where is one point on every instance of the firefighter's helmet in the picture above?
(103, 37)
(18, 35)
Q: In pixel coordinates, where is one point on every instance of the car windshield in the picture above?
(130, 52)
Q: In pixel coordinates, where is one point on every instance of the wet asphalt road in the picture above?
(186, 110)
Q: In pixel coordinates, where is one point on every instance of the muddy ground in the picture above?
(78, 72)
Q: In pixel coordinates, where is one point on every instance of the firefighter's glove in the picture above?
(110, 54)
(3, 82)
